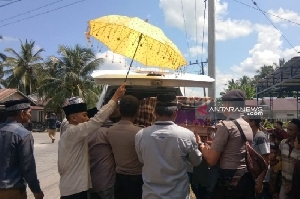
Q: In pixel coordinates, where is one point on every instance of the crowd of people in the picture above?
(104, 155)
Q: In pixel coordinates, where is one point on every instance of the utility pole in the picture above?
(211, 47)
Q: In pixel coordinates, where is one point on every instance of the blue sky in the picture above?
(245, 38)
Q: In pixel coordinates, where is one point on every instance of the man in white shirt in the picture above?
(166, 150)
(73, 157)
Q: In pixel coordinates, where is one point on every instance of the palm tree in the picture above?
(245, 84)
(263, 72)
(24, 65)
(2, 81)
(232, 84)
(245, 80)
(70, 75)
(249, 90)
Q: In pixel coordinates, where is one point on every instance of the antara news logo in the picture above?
(251, 111)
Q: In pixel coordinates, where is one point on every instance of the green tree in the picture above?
(263, 72)
(23, 67)
(249, 90)
(232, 84)
(2, 72)
(245, 83)
(68, 75)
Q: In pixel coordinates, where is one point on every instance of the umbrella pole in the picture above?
(140, 38)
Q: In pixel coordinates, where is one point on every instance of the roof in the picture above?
(6, 92)
(38, 100)
(286, 77)
(279, 104)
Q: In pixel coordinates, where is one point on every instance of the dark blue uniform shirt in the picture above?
(17, 163)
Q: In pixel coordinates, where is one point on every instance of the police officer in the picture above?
(228, 146)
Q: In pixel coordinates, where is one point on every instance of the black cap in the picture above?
(92, 112)
(74, 105)
(234, 95)
(16, 105)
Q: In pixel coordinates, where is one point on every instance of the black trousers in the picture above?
(244, 190)
(81, 195)
(128, 186)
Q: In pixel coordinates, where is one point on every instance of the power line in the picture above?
(31, 10)
(274, 26)
(49, 11)
(196, 25)
(9, 3)
(267, 12)
(186, 35)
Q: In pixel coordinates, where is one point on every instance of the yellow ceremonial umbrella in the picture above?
(136, 39)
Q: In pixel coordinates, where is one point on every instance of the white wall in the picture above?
(283, 114)
(35, 115)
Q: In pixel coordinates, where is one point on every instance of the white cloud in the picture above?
(287, 54)
(197, 50)
(285, 14)
(226, 28)
(267, 51)
(230, 29)
(113, 61)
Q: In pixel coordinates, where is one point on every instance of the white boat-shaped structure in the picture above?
(150, 77)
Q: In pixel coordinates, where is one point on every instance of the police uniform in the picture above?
(234, 180)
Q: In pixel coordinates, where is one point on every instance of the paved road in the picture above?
(46, 160)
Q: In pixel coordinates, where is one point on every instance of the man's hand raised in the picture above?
(119, 93)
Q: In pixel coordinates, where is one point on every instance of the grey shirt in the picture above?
(261, 145)
(166, 150)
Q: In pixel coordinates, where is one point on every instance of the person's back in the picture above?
(122, 138)
(230, 142)
(51, 123)
(229, 147)
(166, 149)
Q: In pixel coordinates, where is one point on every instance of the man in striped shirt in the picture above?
(289, 156)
